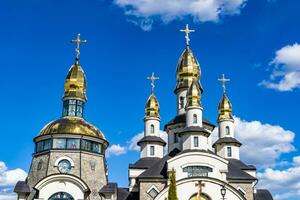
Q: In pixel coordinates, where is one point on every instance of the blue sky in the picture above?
(254, 42)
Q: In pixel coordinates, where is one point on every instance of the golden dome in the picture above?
(152, 107)
(71, 125)
(188, 69)
(225, 109)
(194, 94)
(75, 83)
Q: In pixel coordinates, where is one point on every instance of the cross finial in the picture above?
(78, 41)
(223, 80)
(200, 184)
(187, 33)
(153, 78)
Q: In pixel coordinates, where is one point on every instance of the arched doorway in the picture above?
(61, 196)
(202, 197)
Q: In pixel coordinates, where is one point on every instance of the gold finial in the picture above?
(200, 185)
(153, 78)
(223, 80)
(187, 33)
(78, 41)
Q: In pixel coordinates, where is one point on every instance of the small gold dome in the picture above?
(72, 125)
(75, 83)
(152, 107)
(225, 109)
(194, 95)
(188, 69)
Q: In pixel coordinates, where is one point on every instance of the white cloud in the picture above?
(267, 141)
(132, 143)
(144, 11)
(289, 178)
(116, 150)
(10, 177)
(285, 74)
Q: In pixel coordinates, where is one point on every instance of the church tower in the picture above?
(152, 145)
(226, 146)
(69, 157)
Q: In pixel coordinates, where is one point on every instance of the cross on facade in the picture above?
(153, 78)
(223, 80)
(78, 41)
(187, 33)
(200, 184)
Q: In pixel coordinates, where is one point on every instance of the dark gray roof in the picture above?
(123, 194)
(196, 150)
(181, 119)
(21, 187)
(227, 140)
(144, 163)
(159, 169)
(153, 139)
(235, 171)
(195, 129)
(109, 188)
(263, 195)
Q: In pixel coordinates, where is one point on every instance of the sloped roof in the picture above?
(154, 139)
(235, 171)
(263, 195)
(144, 163)
(227, 140)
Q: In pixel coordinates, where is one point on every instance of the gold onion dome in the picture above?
(188, 69)
(72, 125)
(75, 83)
(225, 109)
(194, 95)
(152, 107)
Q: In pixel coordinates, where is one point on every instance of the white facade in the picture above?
(194, 116)
(181, 101)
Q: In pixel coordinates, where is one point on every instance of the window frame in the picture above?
(229, 151)
(152, 150)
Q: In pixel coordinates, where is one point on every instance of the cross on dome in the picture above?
(200, 185)
(153, 78)
(223, 80)
(187, 33)
(78, 41)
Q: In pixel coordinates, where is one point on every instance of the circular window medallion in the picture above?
(64, 166)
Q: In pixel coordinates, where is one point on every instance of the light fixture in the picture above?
(223, 191)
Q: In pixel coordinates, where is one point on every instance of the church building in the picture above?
(69, 157)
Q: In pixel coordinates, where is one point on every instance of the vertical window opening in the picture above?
(181, 102)
(227, 130)
(196, 141)
(229, 151)
(195, 120)
(152, 128)
(152, 151)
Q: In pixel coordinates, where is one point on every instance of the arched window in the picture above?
(229, 151)
(61, 196)
(152, 128)
(195, 120)
(181, 102)
(227, 130)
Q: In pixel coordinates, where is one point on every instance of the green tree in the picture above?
(172, 194)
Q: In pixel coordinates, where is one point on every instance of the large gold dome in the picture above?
(72, 125)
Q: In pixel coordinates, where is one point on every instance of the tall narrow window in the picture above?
(181, 102)
(152, 128)
(175, 137)
(227, 130)
(151, 150)
(229, 151)
(196, 141)
(195, 120)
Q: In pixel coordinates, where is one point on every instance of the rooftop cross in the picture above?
(223, 80)
(200, 184)
(78, 41)
(153, 78)
(187, 32)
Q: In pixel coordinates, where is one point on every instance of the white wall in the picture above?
(158, 150)
(181, 93)
(222, 128)
(221, 150)
(147, 128)
(190, 116)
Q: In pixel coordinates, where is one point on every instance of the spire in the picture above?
(188, 67)
(194, 95)
(225, 107)
(75, 87)
(152, 105)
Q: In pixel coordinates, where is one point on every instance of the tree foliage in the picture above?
(172, 194)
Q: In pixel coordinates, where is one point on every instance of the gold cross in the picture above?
(153, 78)
(78, 41)
(200, 185)
(223, 80)
(187, 33)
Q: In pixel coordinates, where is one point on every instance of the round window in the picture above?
(64, 166)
